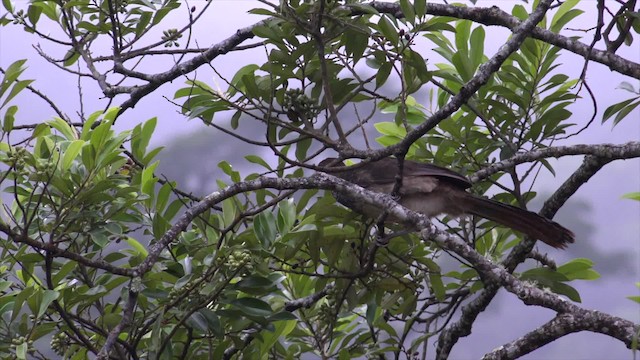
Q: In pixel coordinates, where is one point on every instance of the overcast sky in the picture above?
(617, 221)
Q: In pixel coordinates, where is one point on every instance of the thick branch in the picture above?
(190, 65)
(318, 181)
(590, 166)
(618, 328)
(486, 16)
(485, 71)
(470, 312)
(604, 151)
(495, 16)
(561, 325)
(595, 321)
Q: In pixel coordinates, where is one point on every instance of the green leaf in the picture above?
(270, 338)
(11, 74)
(269, 31)
(580, 268)
(111, 114)
(88, 125)
(148, 181)
(213, 322)
(383, 74)
(141, 136)
(520, 12)
(543, 275)
(260, 11)
(47, 298)
(198, 321)
(391, 128)
(237, 78)
(420, 7)
(4, 285)
(15, 90)
(437, 286)
(9, 118)
(229, 212)
(235, 119)
(264, 227)
(64, 128)
(258, 160)
(615, 108)
(463, 32)
(624, 112)
(163, 196)
(364, 8)
(228, 169)
(418, 63)
(408, 11)
(71, 153)
(18, 301)
(286, 216)
(99, 238)
(388, 30)
(302, 147)
(7, 5)
(21, 350)
(71, 57)
(139, 248)
(344, 354)
(559, 19)
(257, 283)
(567, 290)
(252, 307)
(476, 53)
(632, 196)
(151, 155)
(163, 11)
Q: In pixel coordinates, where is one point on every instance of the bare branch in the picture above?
(495, 16)
(605, 151)
(564, 324)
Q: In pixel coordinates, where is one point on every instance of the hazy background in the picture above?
(607, 227)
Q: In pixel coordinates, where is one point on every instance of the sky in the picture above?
(616, 220)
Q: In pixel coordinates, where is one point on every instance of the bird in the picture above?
(434, 190)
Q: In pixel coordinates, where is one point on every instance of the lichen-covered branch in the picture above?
(618, 328)
(564, 324)
(495, 16)
(591, 165)
(604, 151)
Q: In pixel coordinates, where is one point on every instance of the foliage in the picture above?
(100, 253)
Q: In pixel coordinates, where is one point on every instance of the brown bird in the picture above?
(434, 190)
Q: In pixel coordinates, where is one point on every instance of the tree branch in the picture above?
(589, 320)
(495, 16)
(564, 324)
(449, 337)
(127, 317)
(485, 71)
(604, 151)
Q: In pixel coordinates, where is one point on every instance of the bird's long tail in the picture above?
(521, 220)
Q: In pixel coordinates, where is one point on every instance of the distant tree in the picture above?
(108, 259)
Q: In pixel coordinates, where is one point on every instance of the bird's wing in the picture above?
(384, 171)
